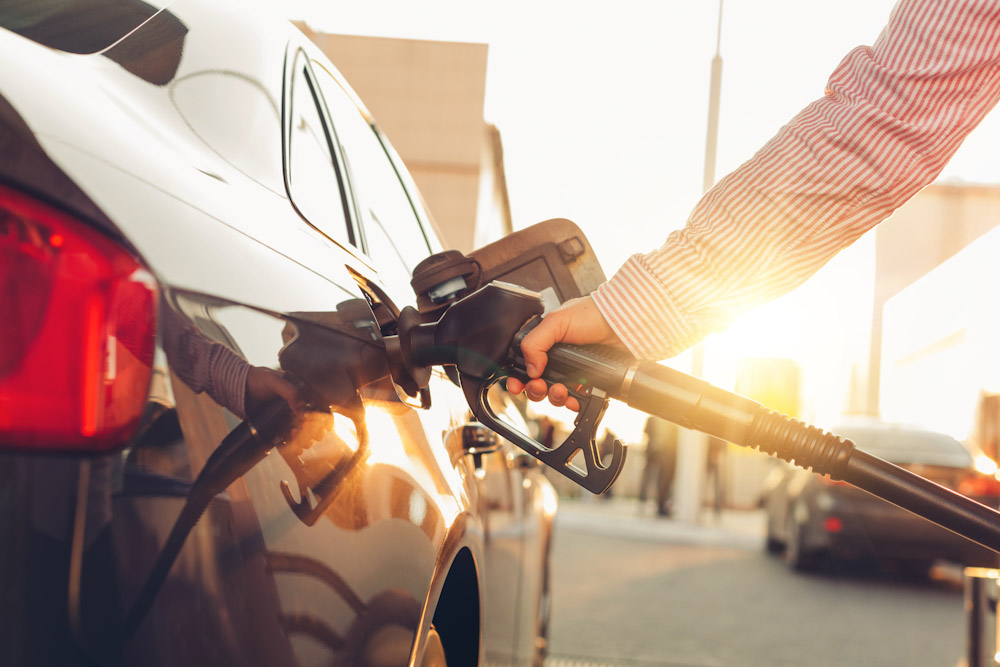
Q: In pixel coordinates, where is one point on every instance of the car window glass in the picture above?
(393, 235)
(76, 26)
(312, 176)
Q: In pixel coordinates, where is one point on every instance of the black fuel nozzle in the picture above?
(480, 335)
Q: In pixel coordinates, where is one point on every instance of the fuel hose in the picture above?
(695, 404)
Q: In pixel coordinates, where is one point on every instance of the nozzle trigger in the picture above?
(596, 478)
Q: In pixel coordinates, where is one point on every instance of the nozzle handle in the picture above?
(591, 473)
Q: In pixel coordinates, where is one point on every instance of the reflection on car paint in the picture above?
(324, 456)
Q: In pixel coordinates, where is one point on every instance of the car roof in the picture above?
(899, 443)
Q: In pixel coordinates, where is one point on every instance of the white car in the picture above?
(201, 229)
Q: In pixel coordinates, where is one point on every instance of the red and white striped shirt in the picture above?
(892, 116)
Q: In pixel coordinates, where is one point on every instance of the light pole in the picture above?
(711, 142)
(692, 455)
(712, 133)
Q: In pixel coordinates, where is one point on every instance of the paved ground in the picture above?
(630, 589)
(740, 529)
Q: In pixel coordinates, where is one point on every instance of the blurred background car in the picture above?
(811, 518)
(199, 223)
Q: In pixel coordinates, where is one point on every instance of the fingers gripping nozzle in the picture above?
(477, 335)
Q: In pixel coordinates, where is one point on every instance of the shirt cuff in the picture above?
(643, 313)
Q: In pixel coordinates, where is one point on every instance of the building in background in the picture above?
(936, 224)
(936, 328)
(940, 359)
(428, 98)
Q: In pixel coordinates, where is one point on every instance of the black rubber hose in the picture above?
(934, 502)
(696, 404)
(244, 447)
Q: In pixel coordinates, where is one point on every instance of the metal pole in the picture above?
(711, 143)
(693, 453)
(712, 134)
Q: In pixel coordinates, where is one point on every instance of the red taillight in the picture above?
(978, 485)
(77, 332)
(833, 524)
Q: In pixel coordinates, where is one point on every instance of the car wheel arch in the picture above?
(457, 614)
(453, 605)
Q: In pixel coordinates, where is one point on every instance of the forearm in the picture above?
(892, 116)
(204, 365)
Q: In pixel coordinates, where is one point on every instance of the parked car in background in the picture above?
(200, 224)
(810, 517)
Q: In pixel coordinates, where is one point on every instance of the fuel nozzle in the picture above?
(480, 336)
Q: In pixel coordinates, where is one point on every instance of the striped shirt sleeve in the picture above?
(891, 117)
(204, 365)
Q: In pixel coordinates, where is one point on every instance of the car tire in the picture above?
(914, 569)
(772, 544)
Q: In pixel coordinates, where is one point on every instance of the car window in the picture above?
(393, 235)
(909, 446)
(313, 182)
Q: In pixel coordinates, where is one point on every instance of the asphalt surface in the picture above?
(632, 589)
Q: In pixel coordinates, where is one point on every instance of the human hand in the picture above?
(264, 384)
(577, 321)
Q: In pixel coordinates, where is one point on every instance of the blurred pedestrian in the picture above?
(546, 431)
(715, 473)
(661, 464)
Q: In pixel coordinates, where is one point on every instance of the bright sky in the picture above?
(602, 109)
